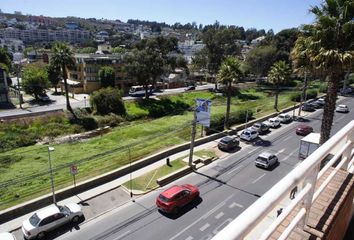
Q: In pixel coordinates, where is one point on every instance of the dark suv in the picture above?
(228, 143)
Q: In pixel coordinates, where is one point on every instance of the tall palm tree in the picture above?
(300, 56)
(331, 49)
(63, 57)
(230, 72)
(278, 74)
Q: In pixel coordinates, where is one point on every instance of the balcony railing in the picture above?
(304, 178)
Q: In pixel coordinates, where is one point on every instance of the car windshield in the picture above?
(262, 159)
(246, 133)
(65, 210)
(257, 125)
(225, 141)
(163, 198)
(34, 220)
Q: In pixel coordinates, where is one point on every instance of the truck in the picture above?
(309, 144)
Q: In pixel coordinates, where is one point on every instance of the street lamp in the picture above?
(85, 101)
(50, 149)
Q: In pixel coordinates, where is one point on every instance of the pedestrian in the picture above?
(279, 211)
(293, 193)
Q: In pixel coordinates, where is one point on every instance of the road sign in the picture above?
(73, 169)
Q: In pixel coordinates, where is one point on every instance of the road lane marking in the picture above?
(259, 178)
(281, 151)
(234, 204)
(219, 215)
(202, 217)
(123, 235)
(286, 158)
(189, 238)
(222, 225)
(233, 170)
(204, 227)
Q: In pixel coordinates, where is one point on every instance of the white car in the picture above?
(342, 108)
(284, 118)
(7, 236)
(273, 122)
(47, 219)
(266, 160)
(249, 134)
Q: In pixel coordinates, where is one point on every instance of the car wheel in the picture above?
(41, 235)
(175, 210)
(75, 219)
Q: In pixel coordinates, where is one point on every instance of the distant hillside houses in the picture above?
(189, 48)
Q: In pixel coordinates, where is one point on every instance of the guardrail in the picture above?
(306, 175)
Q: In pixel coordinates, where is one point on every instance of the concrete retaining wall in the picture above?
(173, 176)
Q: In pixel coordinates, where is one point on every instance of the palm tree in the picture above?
(278, 74)
(331, 50)
(300, 56)
(230, 72)
(63, 58)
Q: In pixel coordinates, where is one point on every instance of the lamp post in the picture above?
(130, 174)
(50, 149)
(85, 101)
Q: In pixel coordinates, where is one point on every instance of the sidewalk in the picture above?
(104, 198)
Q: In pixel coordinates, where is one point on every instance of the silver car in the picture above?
(266, 160)
(47, 219)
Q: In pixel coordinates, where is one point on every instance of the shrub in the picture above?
(107, 100)
(311, 94)
(323, 88)
(163, 107)
(295, 97)
(111, 120)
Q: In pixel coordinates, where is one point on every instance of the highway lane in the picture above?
(228, 186)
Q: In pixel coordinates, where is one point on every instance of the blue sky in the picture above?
(261, 14)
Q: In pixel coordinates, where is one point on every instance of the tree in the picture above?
(63, 58)
(230, 72)
(5, 59)
(34, 80)
(331, 50)
(107, 76)
(260, 59)
(107, 100)
(54, 75)
(278, 74)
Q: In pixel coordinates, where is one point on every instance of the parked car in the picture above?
(228, 143)
(273, 122)
(260, 127)
(50, 218)
(190, 88)
(266, 160)
(249, 134)
(43, 97)
(308, 108)
(342, 108)
(284, 118)
(175, 197)
(320, 102)
(7, 236)
(316, 105)
(303, 130)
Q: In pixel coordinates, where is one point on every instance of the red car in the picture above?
(303, 130)
(172, 199)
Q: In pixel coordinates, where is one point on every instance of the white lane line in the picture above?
(281, 151)
(259, 178)
(234, 204)
(204, 227)
(287, 138)
(202, 217)
(233, 170)
(189, 238)
(123, 235)
(286, 158)
(221, 226)
(219, 215)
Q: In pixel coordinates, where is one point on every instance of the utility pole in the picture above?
(303, 94)
(194, 124)
(18, 84)
(50, 149)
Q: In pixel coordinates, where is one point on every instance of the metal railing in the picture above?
(304, 176)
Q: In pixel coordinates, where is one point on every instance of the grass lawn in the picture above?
(148, 181)
(24, 171)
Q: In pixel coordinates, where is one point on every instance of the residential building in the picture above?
(189, 48)
(71, 25)
(13, 45)
(85, 79)
(45, 35)
(102, 36)
(4, 90)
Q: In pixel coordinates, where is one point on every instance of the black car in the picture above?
(261, 127)
(316, 105)
(228, 143)
(308, 108)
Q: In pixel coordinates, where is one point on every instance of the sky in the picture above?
(260, 14)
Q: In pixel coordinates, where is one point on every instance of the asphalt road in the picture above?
(228, 186)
